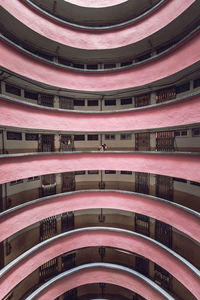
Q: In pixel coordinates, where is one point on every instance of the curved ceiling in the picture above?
(173, 62)
(31, 39)
(91, 40)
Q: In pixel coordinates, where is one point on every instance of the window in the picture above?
(181, 133)
(79, 137)
(79, 172)
(110, 102)
(14, 135)
(31, 137)
(92, 67)
(125, 136)
(195, 131)
(63, 61)
(179, 179)
(110, 172)
(30, 95)
(47, 100)
(183, 88)
(13, 90)
(126, 101)
(79, 102)
(93, 172)
(109, 66)
(109, 136)
(93, 102)
(143, 57)
(126, 172)
(126, 63)
(78, 66)
(196, 83)
(16, 181)
(195, 183)
(93, 137)
(34, 178)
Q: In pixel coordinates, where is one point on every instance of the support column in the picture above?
(57, 142)
(56, 101)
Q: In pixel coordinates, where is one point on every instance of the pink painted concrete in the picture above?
(175, 216)
(175, 61)
(179, 165)
(183, 112)
(89, 39)
(96, 3)
(126, 241)
(96, 275)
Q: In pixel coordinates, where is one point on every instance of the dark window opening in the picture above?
(126, 172)
(30, 95)
(78, 66)
(109, 66)
(125, 136)
(92, 67)
(16, 181)
(63, 61)
(179, 179)
(31, 136)
(126, 63)
(93, 137)
(195, 183)
(110, 102)
(79, 102)
(195, 131)
(14, 135)
(143, 57)
(126, 101)
(93, 102)
(47, 100)
(196, 83)
(110, 172)
(183, 88)
(79, 172)
(79, 137)
(93, 172)
(109, 137)
(13, 90)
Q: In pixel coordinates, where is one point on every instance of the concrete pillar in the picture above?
(153, 98)
(152, 185)
(152, 141)
(151, 269)
(57, 142)
(58, 183)
(152, 228)
(56, 101)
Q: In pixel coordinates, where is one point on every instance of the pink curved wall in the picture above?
(167, 115)
(175, 216)
(129, 242)
(96, 3)
(15, 167)
(89, 39)
(175, 61)
(99, 274)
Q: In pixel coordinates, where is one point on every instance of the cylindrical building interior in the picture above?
(100, 149)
